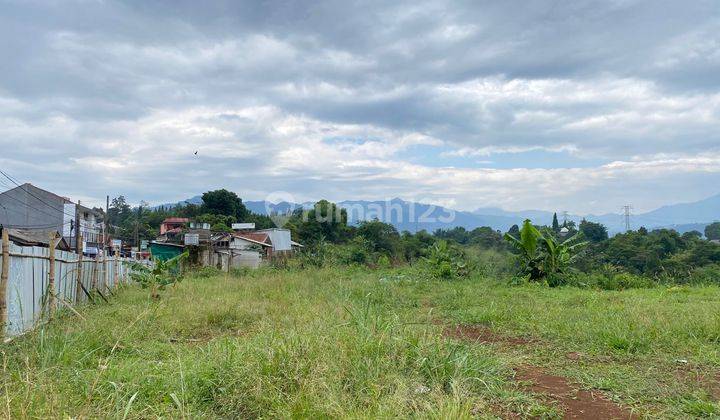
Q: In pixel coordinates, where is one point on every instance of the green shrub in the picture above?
(355, 252)
(708, 275)
(601, 279)
(315, 255)
(206, 272)
(383, 261)
(446, 262)
(240, 271)
(622, 281)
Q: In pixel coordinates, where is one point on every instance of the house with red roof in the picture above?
(174, 224)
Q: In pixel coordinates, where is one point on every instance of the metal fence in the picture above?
(27, 296)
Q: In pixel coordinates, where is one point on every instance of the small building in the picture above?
(41, 238)
(30, 207)
(173, 223)
(165, 251)
(240, 250)
(279, 238)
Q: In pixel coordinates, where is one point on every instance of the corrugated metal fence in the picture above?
(27, 287)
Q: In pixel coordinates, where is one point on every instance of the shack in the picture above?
(165, 250)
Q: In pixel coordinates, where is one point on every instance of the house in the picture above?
(34, 237)
(172, 224)
(30, 207)
(239, 250)
(279, 238)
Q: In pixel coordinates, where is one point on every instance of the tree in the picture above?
(217, 222)
(555, 223)
(594, 232)
(224, 202)
(416, 245)
(712, 231)
(325, 221)
(486, 237)
(382, 237)
(119, 211)
(692, 235)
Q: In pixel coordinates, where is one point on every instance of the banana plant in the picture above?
(559, 255)
(158, 276)
(445, 262)
(541, 253)
(528, 247)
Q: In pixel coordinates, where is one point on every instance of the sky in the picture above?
(556, 105)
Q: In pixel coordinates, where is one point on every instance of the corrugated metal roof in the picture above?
(33, 237)
(280, 239)
(262, 243)
(255, 236)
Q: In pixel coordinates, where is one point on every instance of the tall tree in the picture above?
(594, 232)
(712, 231)
(324, 221)
(224, 202)
(555, 224)
(382, 237)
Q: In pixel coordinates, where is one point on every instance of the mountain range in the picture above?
(411, 216)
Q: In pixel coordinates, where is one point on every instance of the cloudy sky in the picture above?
(558, 105)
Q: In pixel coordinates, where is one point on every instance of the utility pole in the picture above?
(4, 275)
(626, 213)
(137, 226)
(104, 236)
(105, 224)
(565, 217)
(78, 232)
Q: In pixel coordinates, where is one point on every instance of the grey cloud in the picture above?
(86, 80)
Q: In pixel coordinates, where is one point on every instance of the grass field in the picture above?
(366, 344)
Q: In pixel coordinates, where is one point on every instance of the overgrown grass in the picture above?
(359, 343)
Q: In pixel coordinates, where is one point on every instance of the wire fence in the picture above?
(27, 296)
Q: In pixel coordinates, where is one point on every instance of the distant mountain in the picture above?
(411, 216)
(194, 200)
(266, 208)
(707, 210)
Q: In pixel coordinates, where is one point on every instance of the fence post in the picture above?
(51, 274)
(78, 286)
(95, 273)
(4, 279)
(117, 268)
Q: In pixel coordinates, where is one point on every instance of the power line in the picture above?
(32, 227)
(36, 197)
(31, 207)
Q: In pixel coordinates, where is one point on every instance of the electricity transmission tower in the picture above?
(626, 213)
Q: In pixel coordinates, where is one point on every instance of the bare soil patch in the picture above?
(575, 403)
(706, 381)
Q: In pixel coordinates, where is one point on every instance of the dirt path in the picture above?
(575, 403)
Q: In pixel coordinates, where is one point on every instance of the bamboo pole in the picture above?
(79, 274)
(4, 279)
(51, 274)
